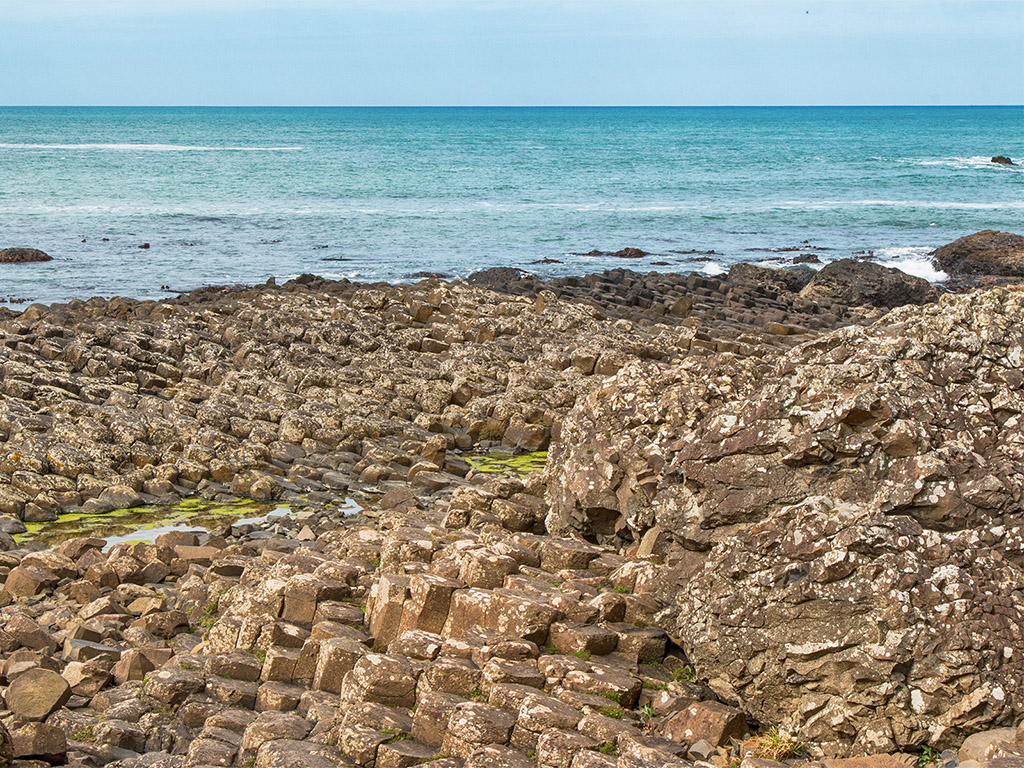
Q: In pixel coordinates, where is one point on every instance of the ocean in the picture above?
(238, 195)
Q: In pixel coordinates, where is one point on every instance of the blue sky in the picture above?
(537, 52)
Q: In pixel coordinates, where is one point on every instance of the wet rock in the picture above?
(984, 253)
(22, 256)
(1002, 160)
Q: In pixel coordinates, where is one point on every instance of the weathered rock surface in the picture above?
(984, 253)
(1002, 160)
(451, 629)
(843, 525)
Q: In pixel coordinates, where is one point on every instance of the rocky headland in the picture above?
(780, 523)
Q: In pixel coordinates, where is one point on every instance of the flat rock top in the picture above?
(984, 253)
(22, 255)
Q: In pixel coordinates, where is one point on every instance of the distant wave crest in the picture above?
(148, 148)
(951, 205)
(977, 161)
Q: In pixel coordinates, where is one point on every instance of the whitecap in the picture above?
(914, 260)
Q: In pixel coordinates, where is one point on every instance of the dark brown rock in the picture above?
(22, 256)
(984, 253)
(850, 282)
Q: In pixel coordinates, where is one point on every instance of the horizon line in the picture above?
(506, 106)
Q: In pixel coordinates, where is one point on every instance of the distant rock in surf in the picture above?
(1002, 160)
(23, 256)
(625, 253)
(984, 253)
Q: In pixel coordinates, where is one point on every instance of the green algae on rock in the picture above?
(507, 463)
(146, 523)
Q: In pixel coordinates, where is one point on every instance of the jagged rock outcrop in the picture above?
(888, 609)
(984, 253)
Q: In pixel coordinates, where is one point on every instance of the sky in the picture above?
(511, 52)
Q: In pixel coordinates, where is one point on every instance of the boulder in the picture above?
(37, 693)
(22, 256)
(984, 253)
(849, 282)
(1002, 160)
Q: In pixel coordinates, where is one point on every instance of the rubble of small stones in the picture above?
(480, 621)
(319, 386)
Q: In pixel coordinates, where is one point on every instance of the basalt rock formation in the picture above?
(318, 386)
(843, 524)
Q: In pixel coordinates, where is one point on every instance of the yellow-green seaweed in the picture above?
(520, 464)
(122, 525)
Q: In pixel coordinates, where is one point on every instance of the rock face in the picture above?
(848, 282)
(843, 525)
(22, 256)
(984, 253)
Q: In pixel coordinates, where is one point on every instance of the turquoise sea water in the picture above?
(239, 195)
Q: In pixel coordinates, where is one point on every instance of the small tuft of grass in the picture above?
(612, 695)
(584, 655)
(476, 695)
(651, 685)
(86, 734)
(610, 711)
(608, 748)
(774, 745)
(929, 756)
(621, 590)
(399, 737)
(209, 615)
(684, 674)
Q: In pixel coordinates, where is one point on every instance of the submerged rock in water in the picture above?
(1002, 160)
(984, 253)
(23, 256)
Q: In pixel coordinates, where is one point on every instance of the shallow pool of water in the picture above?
(144, 524)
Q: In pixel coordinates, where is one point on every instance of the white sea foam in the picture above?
(827, 204)
(977, 161)
(148, 147)
(913, 260)
(713, 268)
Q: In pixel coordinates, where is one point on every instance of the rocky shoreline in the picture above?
(780, 523)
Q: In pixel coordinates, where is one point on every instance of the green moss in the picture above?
(509, 464)
(684, 674)
(612, 696)
(584, 655)
(616, 712)
(608, 748)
